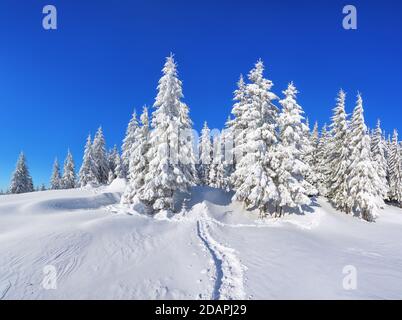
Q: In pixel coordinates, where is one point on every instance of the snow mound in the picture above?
(117, 185)
(212, 249)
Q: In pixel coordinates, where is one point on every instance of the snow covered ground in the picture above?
(215, 250)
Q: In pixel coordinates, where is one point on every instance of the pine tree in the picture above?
(205, 157)
(228, 156)
(138, 162)
(171, 155)
(363, 180)
(323, 170)
(128, 142)
(111, 177)
(312, 173)
(118, 167)
(239, 124)
(292, 170)
(216, 177)
(394, 167)
(21, 181)
(55, 180)
(69, 178)
(87, 174)
(99, 157)
(378, 150)
(253, 178)
(42, 187)
(339, 160)
(111, 159)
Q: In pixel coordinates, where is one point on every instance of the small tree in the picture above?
(55, 180)
(99, 157)
(21, 181)
(128, 142)
(69, 178)
(378, 150)
(138, 162)
(87, 174)
(205, 157)
(394, 167)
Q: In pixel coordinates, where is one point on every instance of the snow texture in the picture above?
(211, 249)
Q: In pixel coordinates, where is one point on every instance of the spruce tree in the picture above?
(69, 178)
(111, 159)
(253, 178)
(363, 180)
(205, 157)
(323, 170)
(99, 157)
(239, 124)
(378, 151)
(128, 142)
(394, 167)
(312, 173)
(292, 186)
(171, 155)
(55, 180)
(21, 181)
(87, 174)
(138, 162)
(118, 167)
(339, 157)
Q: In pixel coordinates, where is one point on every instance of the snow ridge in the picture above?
(229, 284)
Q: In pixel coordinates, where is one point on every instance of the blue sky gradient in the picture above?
(105, 59)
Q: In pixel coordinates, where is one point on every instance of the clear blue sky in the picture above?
(105, 59)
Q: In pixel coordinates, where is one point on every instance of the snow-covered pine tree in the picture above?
(217, 170)
(339, 157)
(171, 155)
(239, 124)
(255, 172)
(228, 156)
(292, 170)
(312, 174)
(307, 153)
(118, 167)
(99, 157)
(69, 178)
(128, 142)
(322, 168)
(87, 174)
(363, 181)
(205, 154)
(138, 162)
(378, 150)
(111, 177)
(394, 168)
(111, 159)
(55, 179)
(42, 187)
(21, 181)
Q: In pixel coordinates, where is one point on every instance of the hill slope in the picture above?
(215, 250)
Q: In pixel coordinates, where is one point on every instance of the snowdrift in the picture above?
(213, 250)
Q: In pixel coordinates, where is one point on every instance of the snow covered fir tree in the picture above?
(21, 181)
(266, 155)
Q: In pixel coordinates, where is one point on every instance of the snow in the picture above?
(214, 250)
